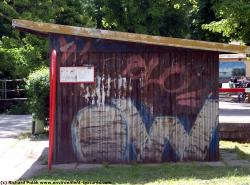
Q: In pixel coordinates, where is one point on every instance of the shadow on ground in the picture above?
(39, 165)
(237, 152)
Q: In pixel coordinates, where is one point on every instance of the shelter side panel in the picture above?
(146, 103)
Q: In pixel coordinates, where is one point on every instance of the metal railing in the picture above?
(11, 92)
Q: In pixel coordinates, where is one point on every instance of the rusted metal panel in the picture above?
(148, 104)
(48, 28)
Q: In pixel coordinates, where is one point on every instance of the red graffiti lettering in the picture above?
(69, 49)
(138, 68)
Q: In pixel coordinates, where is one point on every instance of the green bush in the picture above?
(18, 109)
(38, 93)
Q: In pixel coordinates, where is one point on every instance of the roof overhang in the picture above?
(45, 29)
(232, 57)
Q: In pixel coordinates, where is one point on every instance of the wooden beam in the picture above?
(49, 28)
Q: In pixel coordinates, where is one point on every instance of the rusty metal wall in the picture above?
(148, 103)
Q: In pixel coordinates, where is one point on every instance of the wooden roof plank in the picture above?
(48, 28)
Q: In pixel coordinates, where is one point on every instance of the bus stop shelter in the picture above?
(124, 97)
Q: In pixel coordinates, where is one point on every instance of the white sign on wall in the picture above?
(77, 74)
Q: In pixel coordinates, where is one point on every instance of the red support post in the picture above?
(52, 105)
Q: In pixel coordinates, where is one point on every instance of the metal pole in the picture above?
(5, 89)
(52, 107)
(2, 89)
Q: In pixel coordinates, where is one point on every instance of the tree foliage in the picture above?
(161, 17)
(38, 92)
(233, 20)
(238, 72)
(20, 57)
(204, 13)
(21, 53)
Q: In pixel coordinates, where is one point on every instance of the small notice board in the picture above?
(83, 74)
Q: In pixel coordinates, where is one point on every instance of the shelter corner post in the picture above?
(52, 108)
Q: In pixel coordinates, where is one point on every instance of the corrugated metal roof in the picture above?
(47, 28)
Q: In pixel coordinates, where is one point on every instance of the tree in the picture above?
(21, 53)
(233, 20)
(203, 13)
(238, 72)
(20, 57)
(162, 17)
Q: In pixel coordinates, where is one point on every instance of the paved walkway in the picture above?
(232, 159)
(234, 112)
(13, 125)
(18, 156)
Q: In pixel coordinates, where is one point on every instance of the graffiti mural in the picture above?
(148, 104)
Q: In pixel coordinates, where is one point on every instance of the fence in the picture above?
(12, 92)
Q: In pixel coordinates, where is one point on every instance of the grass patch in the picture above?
(241, 149)
(24, 135)
(143, 174)
(36, 137)
(40, 137)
